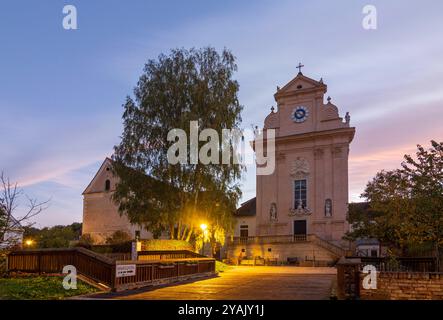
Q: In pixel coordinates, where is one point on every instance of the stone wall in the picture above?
(100, 213)
(405, 286)
(101, 218)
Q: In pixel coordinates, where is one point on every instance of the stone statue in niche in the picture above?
(273, 212)
(328, 208)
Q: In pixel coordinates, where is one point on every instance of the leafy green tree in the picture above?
(184, 86)
(54, 237)
(389, 196)
(425, 174)
(406, 204)
(218, 207)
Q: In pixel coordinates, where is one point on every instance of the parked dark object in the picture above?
(293, 261)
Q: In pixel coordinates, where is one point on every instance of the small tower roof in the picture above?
(300, 84)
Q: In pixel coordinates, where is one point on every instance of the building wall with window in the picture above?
(100, 214)
(245, 220)
(245, 227)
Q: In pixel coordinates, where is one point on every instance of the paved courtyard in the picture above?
(252, 283)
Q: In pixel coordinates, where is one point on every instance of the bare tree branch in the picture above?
(9, 202)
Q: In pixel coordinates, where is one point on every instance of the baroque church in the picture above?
(299, 211)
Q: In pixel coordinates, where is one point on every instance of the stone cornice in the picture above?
(349, 132)
(318, 91)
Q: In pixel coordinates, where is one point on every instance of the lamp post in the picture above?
(29, 243)
(203, 227)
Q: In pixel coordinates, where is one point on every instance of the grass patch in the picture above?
(221, 267)
(39, 288)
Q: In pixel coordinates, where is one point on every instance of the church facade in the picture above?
(300, 211)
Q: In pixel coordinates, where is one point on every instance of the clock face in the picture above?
(300, 114)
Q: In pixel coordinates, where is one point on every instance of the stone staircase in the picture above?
(308, 248)
(337, 251)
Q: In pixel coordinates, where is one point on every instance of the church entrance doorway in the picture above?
(299, 230)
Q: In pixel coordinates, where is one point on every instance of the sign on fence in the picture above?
(125, 270)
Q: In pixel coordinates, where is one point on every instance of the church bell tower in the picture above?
(308, 191)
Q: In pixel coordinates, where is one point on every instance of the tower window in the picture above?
(300, 191)
(107, 185)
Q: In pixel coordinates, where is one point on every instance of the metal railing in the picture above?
(268, 239)
(336, 250)
(401, 264)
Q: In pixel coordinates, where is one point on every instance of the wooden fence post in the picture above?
(113, 278)
(7, 264)
(39, 263)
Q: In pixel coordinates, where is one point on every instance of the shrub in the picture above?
(117, 237)
(164, 244)
(85, 241)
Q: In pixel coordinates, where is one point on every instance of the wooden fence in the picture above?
(165, 271)
(103, 269)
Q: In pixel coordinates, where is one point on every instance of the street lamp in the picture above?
(29, 242)
(203, 227)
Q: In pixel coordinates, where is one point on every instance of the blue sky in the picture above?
(61, 91)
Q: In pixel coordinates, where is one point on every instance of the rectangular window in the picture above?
(243, 231)
(300, 193)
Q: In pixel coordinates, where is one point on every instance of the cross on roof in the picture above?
(300, 66)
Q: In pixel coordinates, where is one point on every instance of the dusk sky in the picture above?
(61, 91)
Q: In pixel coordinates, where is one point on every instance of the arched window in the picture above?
(107, 185)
